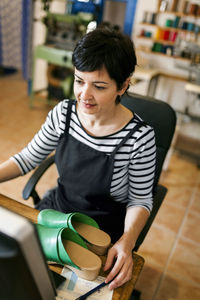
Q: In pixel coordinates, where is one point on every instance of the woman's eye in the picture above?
(99, 87)
(78, 81)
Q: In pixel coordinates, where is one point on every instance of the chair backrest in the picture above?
(161, 117)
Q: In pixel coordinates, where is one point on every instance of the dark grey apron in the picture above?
(85, 176)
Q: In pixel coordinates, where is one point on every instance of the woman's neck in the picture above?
(109, 123)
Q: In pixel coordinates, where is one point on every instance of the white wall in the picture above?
(39, 32)
(114, 12)
(38, 39)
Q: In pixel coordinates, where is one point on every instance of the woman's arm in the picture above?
(9, 170)
(121, 252)
(139, 204)
(43, 143)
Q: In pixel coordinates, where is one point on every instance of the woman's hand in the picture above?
(120, 260)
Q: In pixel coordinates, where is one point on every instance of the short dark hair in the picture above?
(106, 48)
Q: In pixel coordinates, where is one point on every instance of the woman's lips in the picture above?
(88, 105)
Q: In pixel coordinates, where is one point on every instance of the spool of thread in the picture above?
(190, 26)
(149, 17)
(173, 36)
(159, 34)
(185, 7)
(163, 5)
(163, 49)
(142, 33)
(148, 34)
(185, 25)
(176, 22)
(166, 35)
(153, 18)
(145, 17)
(168, 23)
(174, 5)
(156, 47)
(197, 28)
(193, 9)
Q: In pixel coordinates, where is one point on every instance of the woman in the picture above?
(105, 154)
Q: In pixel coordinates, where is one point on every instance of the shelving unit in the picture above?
(169, 29)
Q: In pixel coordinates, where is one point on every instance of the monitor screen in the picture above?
(24, 274)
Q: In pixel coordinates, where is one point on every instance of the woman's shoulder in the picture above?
(62, 107)
(138, 120)
(144, 133)
(64, 104)
(57, 115)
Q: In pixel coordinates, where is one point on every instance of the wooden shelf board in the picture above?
(162, 54)
(165, 42)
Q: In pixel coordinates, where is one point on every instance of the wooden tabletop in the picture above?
(121, 293)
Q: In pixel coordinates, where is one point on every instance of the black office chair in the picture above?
(157, 114)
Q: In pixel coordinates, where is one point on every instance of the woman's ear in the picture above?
(125, 86)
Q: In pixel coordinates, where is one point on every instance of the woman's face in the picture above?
(95, 91)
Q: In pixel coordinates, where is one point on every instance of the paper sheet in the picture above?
(74, 287)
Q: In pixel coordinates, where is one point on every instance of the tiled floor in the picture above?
(172, 246)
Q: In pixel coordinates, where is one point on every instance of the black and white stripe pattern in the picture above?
(134, 162)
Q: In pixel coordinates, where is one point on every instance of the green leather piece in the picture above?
(52, 218)
(55, 219)
(78, 217)
(68, 234)
(52, 243)
(49, 241)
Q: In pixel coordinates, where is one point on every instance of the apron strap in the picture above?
(134, 129)
(68, 116)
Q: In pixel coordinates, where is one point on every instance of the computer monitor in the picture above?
(24, 274)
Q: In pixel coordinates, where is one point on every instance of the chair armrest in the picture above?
(29, 189)
(158, 198)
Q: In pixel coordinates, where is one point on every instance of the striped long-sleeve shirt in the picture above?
(134, 162)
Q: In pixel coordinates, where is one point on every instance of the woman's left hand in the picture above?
(121, 255)
(119, 258)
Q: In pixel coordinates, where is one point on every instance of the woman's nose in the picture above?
(86, 93)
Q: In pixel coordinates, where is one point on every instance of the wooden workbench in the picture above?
(121, 293)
